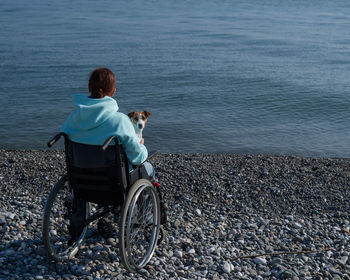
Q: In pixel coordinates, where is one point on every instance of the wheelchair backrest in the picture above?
(95, 174)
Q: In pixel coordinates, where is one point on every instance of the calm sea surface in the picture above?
(269, 77)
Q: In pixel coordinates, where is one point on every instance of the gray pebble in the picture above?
(235, 206)
(178, 254)
(260, 260)
(334, 271)
(343, 260)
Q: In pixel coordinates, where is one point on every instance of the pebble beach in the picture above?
(229, 217)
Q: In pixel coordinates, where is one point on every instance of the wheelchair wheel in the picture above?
(56, 223)
(139, 225)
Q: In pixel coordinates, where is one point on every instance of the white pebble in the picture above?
(343, 260)
(198, 212)
(191, 251)
(11, 216)
(259, 260)
(227, 267)
(297, 225)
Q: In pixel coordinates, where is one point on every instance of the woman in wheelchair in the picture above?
(96, 117)
(101, 149)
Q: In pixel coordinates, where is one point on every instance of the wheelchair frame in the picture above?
(140, 227)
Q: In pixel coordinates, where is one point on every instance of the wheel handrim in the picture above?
(142, 214)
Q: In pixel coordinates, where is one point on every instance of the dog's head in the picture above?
(139, 119)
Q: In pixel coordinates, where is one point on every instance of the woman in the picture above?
(95, 118)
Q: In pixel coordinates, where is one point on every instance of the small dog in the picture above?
(139, 120)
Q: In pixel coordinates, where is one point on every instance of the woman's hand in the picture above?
(142, 141)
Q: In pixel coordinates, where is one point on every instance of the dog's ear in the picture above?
(131, 114)
(147, 114)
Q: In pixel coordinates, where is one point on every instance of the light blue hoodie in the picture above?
(95, 119)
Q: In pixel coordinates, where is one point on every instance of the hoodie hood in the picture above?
(93, 121)
(89, 113)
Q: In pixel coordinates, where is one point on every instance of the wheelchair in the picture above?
(99, 175)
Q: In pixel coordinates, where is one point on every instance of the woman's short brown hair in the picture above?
(101, 82)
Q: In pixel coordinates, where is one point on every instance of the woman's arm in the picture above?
(133, 147)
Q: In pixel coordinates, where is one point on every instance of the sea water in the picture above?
(269, 77)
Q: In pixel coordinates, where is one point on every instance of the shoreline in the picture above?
(222, 207)
(53, 149)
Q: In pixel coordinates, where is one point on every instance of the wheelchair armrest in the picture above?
(136, 167)
(139, 172)
(107, 142)
(55, 139)
(152, 153)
